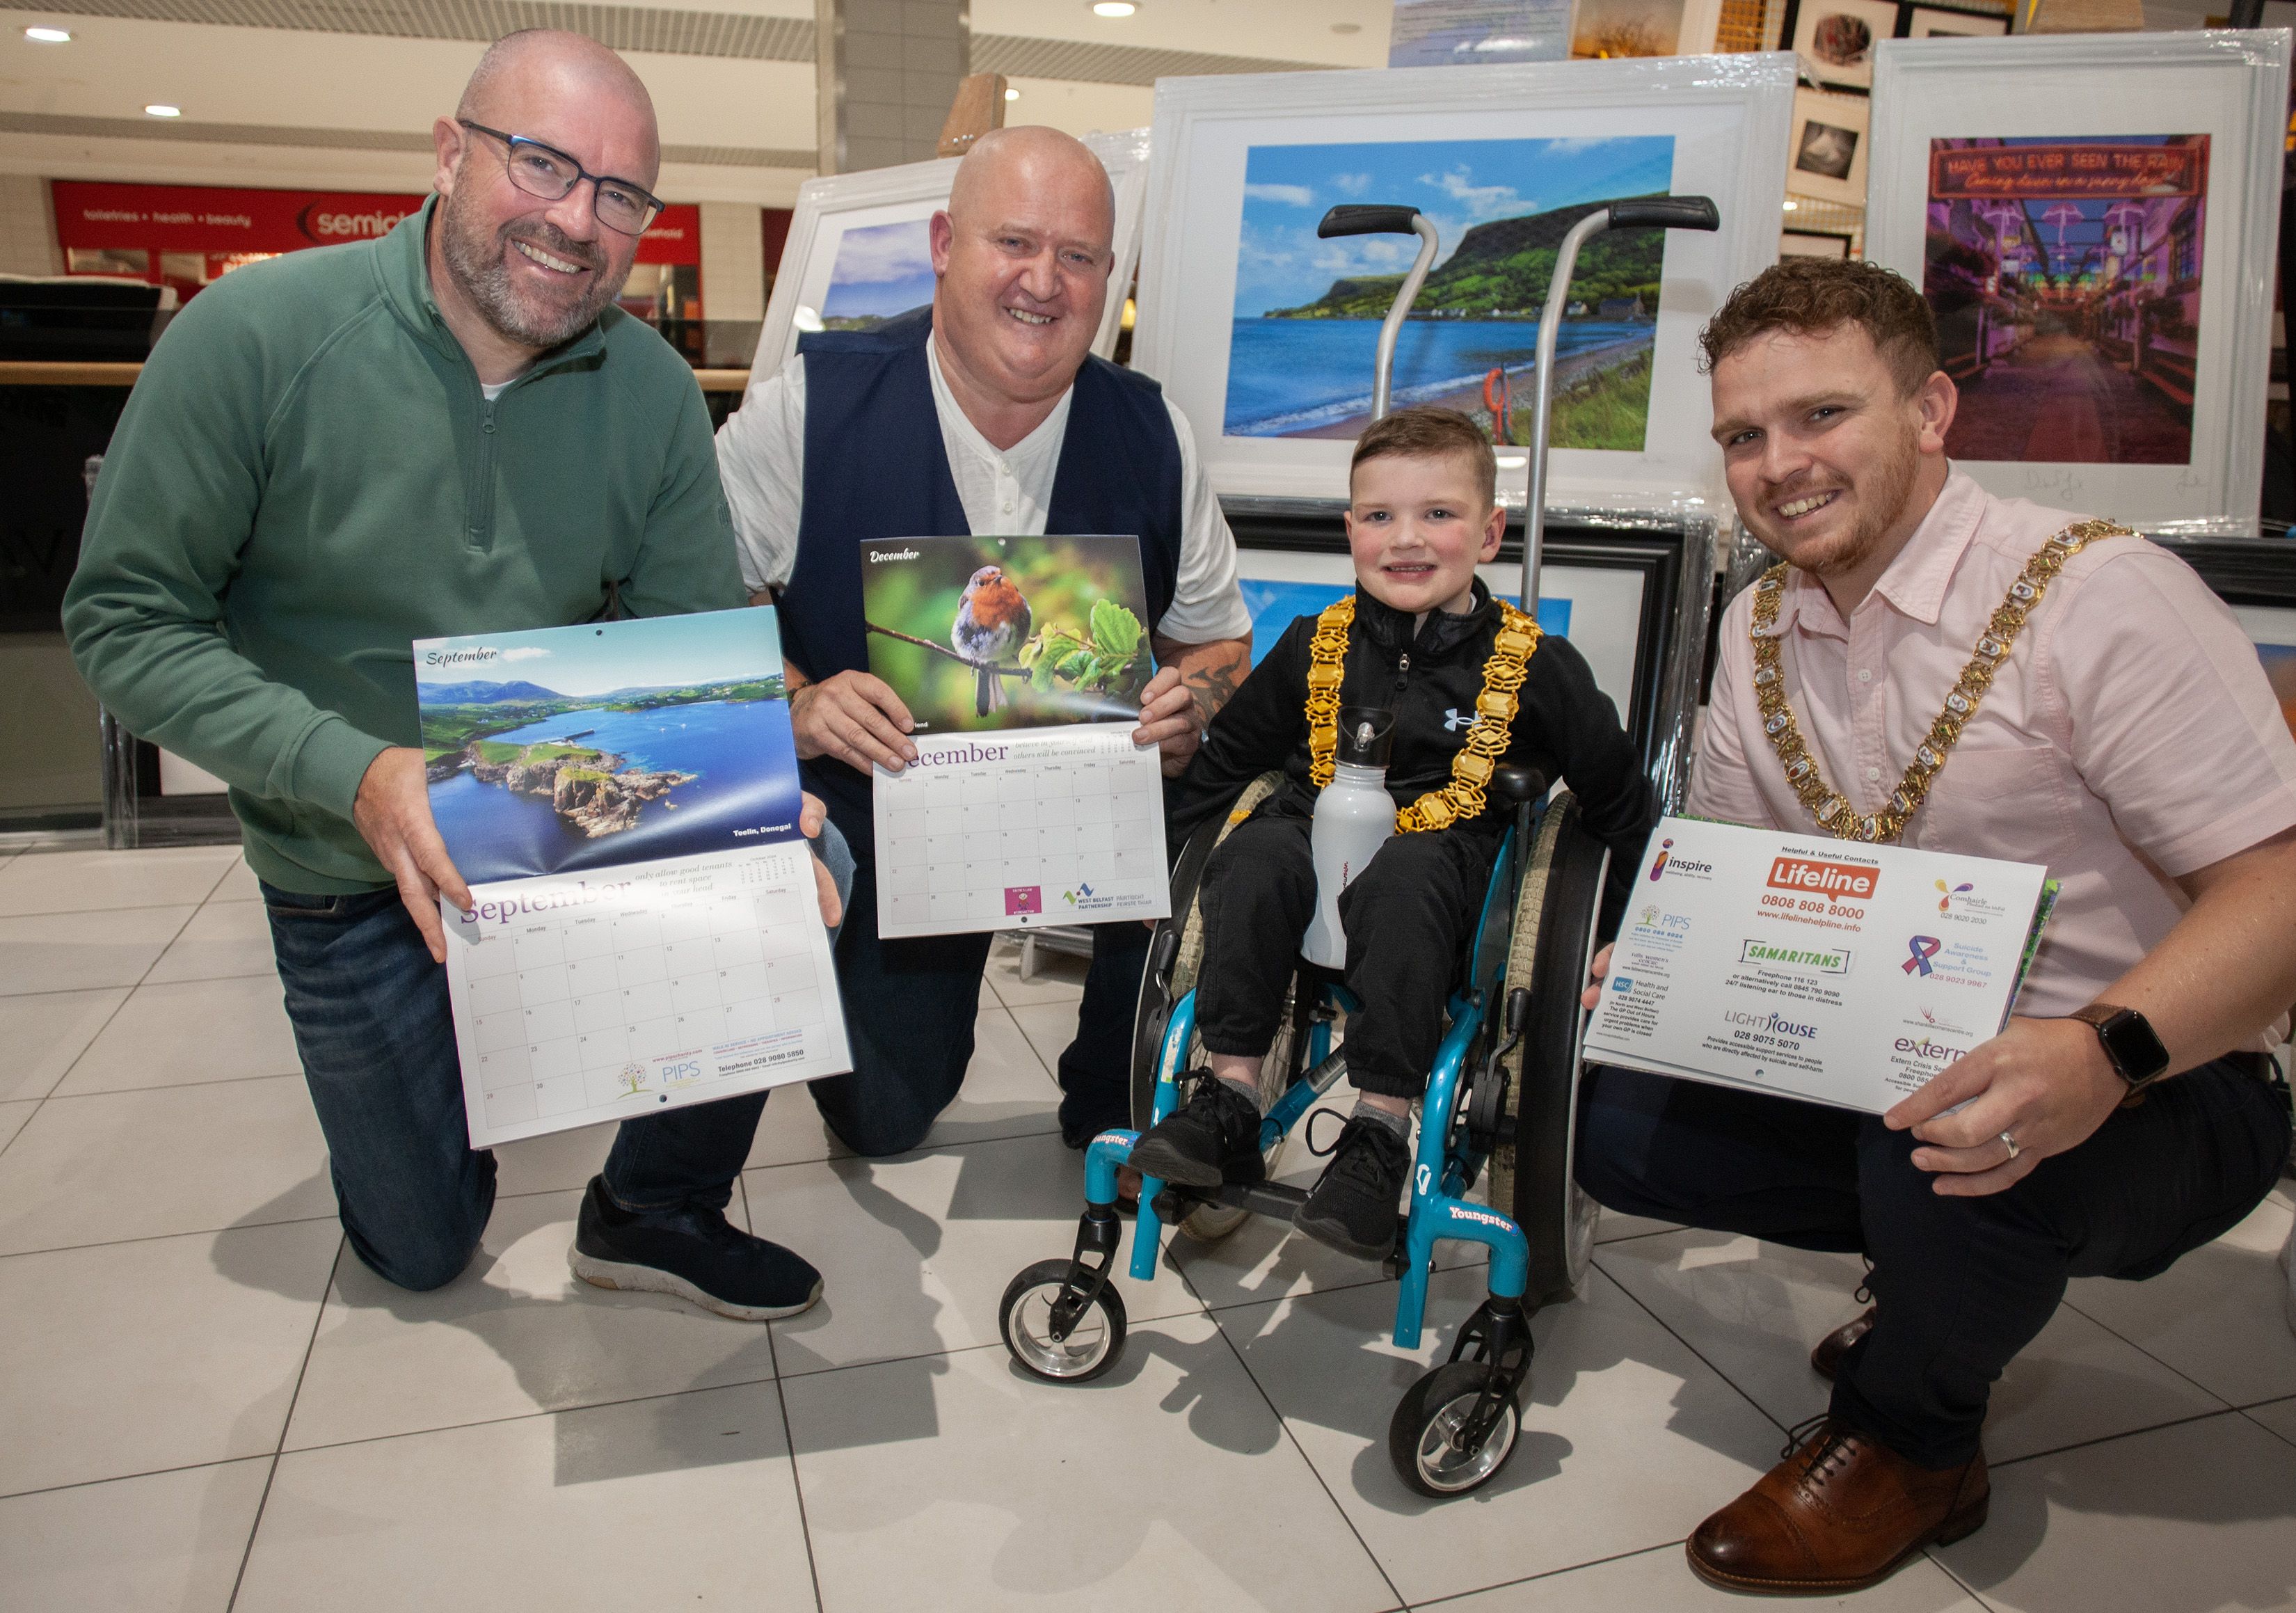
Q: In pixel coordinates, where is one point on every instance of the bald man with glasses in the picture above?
(449, 431)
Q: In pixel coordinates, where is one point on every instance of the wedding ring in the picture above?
(2010, 1143)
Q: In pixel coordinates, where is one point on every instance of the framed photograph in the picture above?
(1827, 159)
(1814, 244)
(1838, 37)
(1605, 30)
(2100, 265)
(1930, 22)
(1265, 335)
(857, 253)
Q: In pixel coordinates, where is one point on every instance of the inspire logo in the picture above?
(1658, 866)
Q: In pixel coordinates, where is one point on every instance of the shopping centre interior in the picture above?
(209, 1402)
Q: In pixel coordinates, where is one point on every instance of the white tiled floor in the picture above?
(205, 1402)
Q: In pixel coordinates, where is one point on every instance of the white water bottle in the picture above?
(1353, 817)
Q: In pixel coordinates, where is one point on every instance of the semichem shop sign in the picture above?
(220, 218)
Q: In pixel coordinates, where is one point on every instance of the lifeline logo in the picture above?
(1825, 960)
(1792, 873)
(878, 556)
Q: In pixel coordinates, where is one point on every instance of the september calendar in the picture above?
(644, 931)
(1022, 660)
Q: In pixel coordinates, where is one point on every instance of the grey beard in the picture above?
(486, 280)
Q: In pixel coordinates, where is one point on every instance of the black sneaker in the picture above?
(696, 1255)
(1211, 1138)
(1351, 1207)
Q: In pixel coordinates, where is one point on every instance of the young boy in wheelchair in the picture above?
(1424, 643)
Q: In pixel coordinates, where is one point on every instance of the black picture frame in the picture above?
(1903, 28)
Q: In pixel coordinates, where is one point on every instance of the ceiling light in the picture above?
(1791, 204)
(1113, 8)
(48, 36)
(161, 109)
(1012, 95)
(1347, 28)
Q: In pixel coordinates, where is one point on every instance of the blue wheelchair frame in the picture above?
(1440, 1176)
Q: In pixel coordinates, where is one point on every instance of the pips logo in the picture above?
(1946, 893)
(1649, 914)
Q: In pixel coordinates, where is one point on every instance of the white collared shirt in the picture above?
(761, 460)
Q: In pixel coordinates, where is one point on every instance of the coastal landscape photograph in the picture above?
(1307, 311)
(881, 272)
(589, 746)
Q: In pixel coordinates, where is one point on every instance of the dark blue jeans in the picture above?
(376, 1035)
(1962, 1284)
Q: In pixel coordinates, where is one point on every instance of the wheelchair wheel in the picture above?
(1207, 1222)
(1024, 1318)
(1420, 1435)
(1531, 1172)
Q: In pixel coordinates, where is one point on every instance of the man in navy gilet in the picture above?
(984, 413)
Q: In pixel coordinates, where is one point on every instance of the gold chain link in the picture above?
(1487, 740)
(1829, 806)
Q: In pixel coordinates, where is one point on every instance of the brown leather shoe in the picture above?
(1840, 1513)
(1826, 1360)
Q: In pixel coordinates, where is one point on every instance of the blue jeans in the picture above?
(376, 1034)
(1962, 1284)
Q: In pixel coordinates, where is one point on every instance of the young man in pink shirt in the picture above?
(2127, 740)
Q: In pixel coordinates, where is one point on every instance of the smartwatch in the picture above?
(2131, 1045)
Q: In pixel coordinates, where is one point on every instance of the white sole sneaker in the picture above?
(652, 1280)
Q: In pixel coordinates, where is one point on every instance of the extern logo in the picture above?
(1792, 873)
(1921, 948)
(877, 557)
(1825, 960)
(1939, 1052)
(1946, 893)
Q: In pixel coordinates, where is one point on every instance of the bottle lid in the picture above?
(1366, 735)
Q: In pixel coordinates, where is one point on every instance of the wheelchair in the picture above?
(1500, 1109)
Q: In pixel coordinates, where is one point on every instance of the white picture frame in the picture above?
(1822, 36)
(2231, 88)
(834, 205)
(1727, 118)
(1827, 158)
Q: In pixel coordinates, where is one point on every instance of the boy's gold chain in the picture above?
(1487, 739)
(1829, 806)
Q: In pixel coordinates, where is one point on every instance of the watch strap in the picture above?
(2105, 1018)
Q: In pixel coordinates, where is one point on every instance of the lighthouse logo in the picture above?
(1658, 866)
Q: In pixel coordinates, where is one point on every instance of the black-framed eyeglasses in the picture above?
(545, 171)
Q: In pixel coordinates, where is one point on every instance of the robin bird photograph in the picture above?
(992, 623)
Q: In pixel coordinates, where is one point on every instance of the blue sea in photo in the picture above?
(1274, 603)
(1291, 376)
(740, 750)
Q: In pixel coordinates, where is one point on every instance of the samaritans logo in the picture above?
(1824, 960)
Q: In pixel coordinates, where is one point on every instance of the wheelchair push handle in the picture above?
(1377, 219)
(1516, 786)
(1666, 213)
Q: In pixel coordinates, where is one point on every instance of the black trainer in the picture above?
(696, 1255)
(1351, 1207)
(1211, 1138)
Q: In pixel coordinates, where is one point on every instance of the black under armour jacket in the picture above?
(1564, 726)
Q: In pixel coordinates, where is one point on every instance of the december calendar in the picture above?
(644, 931)
(1021, 660)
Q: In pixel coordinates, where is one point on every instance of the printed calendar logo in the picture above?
(1023, 899)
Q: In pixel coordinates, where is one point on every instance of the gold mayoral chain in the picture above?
(1828, 805)
(1487, 738)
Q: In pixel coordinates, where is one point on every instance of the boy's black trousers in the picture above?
(1407, 917)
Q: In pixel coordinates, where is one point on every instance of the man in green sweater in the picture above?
(451, 430)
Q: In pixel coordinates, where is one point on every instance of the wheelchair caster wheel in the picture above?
(1025, 1318)
(1420, 1436)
